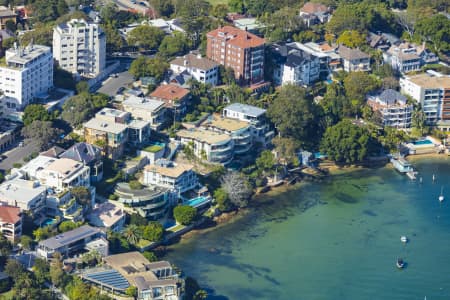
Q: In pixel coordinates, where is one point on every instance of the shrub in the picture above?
(135, 185)
(184, 214)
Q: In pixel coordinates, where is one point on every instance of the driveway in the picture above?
(111, 85)
(17, 154)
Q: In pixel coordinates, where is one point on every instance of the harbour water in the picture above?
(337, 239)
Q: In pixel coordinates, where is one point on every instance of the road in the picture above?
(111, 85)
(17, 154)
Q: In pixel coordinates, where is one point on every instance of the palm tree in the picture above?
(132, 233)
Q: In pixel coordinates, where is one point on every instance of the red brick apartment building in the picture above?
(240, 50)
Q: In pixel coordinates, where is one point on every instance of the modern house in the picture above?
(107, 215)
(154, 281)
(328, 58)
(26, 74)
(64, 173)
(354, 59)
(151, 202)
(293, 65)
(240, 50)
(254, 116)
(315, 13)
(406, 57)
(202, 69)
(175, 98)
(80, 47)
(10, 222)
(89, 155)
(29, 196)
(212, 146)
(393, 107)
(432, 91)
(69, 242)
(153, 111)
(239, 131)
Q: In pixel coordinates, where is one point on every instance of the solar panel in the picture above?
(110, 278)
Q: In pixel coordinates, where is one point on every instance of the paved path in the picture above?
(17, 154)
(111, 85)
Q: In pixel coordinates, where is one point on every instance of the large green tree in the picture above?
(184, 214)
(346, 143)
(173, 45)
(282, 24)
(435, 30)
(153, 232)
(155, 67)
(43, 132)
(35, 112)
(357, 85)
(145, 37)
(295, 115)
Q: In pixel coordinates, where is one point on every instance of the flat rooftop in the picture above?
(173, 171)
(205, 136)
(143, 103)
(223, 123)
(20, 191)
(106, 126)
(427, 81)
(250, 110)
(111, 112)
(69, 237)
(36, 164)
(27, 54)
(65, 166)
(105, 214)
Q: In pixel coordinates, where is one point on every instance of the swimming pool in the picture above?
(197, 201)
(422, 142)
(48, 222)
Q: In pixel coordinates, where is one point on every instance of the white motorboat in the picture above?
(441, 196)
(400, 263)
(404, 239)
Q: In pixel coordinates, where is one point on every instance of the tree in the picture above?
(346, 143)
(11, 25)
(48, 10)
(295, 116)
(200, 295)
(236, 6)
(286, 149)
(56, 271)
(164, 8)
(222, 200)
(42, 132)
(266, 161)
(153, 232)
(132, 234)
(68, 225)
(357, 85)
(145, 37)
(82, 87)
(131, 291)
(282, 24)
(42, 233)
(173, 45)
(150, 256)
(155, 67)
(418, 119)
(114, 41)
(14, 269)
(42, 34)
(194, 15)
(35, 112)
(436, 30)
(351, 39)
(41, 270)
(26, 242)
(237, 187)
(184, 214)
(82, 195)
(78, 109)
(138, 220)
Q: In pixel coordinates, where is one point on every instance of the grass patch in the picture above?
(176, 228)
(215, 2)
(6, 295)
(153, 148)
(143, 243)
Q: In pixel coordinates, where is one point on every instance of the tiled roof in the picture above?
(349, 54)
(169, 92)
(313, 8)
(237, 37)
(191, 60)
(9, 214)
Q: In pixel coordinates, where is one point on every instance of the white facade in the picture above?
(28, 73)
(26, 194)
(201, 68)
(302, 73)
(153, 111)
(178, 178)
(64, 173)
(80, 47)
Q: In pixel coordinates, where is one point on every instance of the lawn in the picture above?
(176, 228)
(6, 295)
(215, 2)
(142, 243)
(153, 148)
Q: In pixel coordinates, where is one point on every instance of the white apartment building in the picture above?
(253, 115)
(26, 74)
(393, 107)
(179, 178)
(153, 111)
(64, 173)
(201, 68)
(80, 47)
(28, 195)
(432, 91)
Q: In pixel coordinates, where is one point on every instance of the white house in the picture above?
(26, 74)
(354, 59)
(151, 110)
(201, 68)
(393, 107)
(28, 195)
(80, 47)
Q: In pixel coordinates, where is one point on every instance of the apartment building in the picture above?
(256, 117)
(153, 111)
(80, 47)
(432, 91)
(239, 131)
(29, 196)
(240, 50)
(294, 66)
(328, 58)
(354, 59)
(406, 57)
(11, 222)
(26, 74)
(203, 69)
(179, 178)
(64, 173)
(212, 146)
(393, 107)
(175, 98)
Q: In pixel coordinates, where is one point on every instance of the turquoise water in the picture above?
(48, 222)
(423, 142)
(196, 201)
(338, 239)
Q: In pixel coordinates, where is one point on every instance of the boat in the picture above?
(441, 196)
(404, 239)
(434, 178)
(400, 263)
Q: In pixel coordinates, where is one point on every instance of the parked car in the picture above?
(120, 90)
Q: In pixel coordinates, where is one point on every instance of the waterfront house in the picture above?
(10, 222)
(354, 59)
(393, 107)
